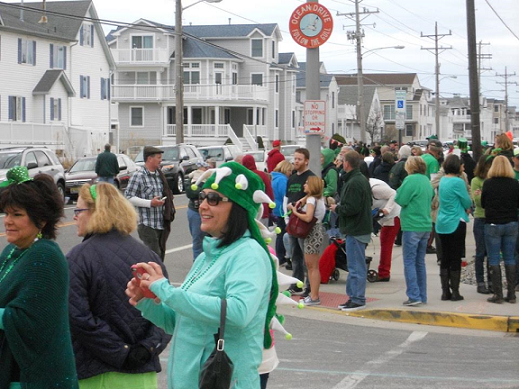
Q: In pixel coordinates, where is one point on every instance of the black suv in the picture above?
(177, 162)
(37, 160)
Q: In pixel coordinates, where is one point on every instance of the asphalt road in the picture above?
(330, 350)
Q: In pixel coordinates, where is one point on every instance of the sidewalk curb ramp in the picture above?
(445, 319)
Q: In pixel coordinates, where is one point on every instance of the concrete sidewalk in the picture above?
(385, 299)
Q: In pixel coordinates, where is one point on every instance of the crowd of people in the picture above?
(101, 315)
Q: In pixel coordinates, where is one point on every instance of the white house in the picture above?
(235, 85)
(54, 77)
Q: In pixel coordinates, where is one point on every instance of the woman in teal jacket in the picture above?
(451, 225)
(235, 265)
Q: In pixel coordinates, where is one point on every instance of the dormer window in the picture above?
(257, 47)
(86, 35)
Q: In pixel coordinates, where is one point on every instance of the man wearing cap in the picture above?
(107, 166)
(274, 156)
(431, 157)
(145, 191)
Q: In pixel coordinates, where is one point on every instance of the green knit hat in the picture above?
(463, 144)
(246, 189)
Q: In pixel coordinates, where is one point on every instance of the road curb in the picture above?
(445, 319)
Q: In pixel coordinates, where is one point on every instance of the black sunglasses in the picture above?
(212, 198)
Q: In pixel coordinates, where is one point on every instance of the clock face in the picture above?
(311, 25)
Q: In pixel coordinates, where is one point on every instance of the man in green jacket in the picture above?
(107, 166)
(328, 173)
(355, 222)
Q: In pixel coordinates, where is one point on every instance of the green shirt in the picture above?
(516, 174)
(477, 184)
(415, 196)
(432, 165)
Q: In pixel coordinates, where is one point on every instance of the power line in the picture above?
(502, 21)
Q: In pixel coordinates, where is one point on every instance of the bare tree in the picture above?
(374, 124)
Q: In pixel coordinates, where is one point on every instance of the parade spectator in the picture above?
(193, 217)
(451, 226)
(431, 158)
(476, 186)
(328, 173)
(113, 344)
(312, 206)
(235, 265)
(149, 192)
(416, 151)
(503, 146)
(355, 222)
(280, 177)
(383, 170)
(250, 163)
(294, 193)
(274, 157)
(500, 199)
(516, 163)
(107, 166)
(398, 172)
(36, 351)
(414, 196)
(376, 153)
(466, 159)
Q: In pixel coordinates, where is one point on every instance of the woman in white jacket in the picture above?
(384, 200)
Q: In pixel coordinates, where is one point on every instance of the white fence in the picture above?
(140, 56)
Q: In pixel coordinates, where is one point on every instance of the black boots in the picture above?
(497, 285)
(454, 277)
(482, 288)
(510, 281)
(444, 276)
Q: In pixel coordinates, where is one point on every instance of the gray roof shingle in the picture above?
(49, 79)
(57, 27)
(229, 30)
(194, 48)
(377, 79)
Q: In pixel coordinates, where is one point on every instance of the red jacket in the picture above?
(250, 163)
(273, 158)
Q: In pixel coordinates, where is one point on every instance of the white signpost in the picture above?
(314, 115)
(400, 111)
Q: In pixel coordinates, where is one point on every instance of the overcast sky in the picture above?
(399, 22)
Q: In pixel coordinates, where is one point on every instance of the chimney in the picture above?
(21, 12)
(43, 19)
(229, 21)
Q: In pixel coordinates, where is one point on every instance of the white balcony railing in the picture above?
(191, 92)
(141, 56)
(32, 133)
(200, 130)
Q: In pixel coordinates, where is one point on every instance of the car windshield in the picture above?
(170, 154)
(216, 153)
(258, 157)
(83, 165)
(289, 150)
(9, 160)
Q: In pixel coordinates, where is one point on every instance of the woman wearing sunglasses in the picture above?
(235, 265)
(114, 346)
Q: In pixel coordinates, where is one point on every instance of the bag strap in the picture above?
(221, 332)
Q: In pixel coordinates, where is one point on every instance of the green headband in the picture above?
(93, 192)
(16, 175)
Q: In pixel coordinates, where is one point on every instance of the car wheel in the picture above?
(61, 190)
(179, 184)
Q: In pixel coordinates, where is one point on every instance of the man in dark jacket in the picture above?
(355, 221)
(107, 166)
(274, 156)
(397, 173)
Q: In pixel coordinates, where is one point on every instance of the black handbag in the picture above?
(217, 370)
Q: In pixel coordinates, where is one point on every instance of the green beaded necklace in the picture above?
(197, 274)
(15, 261)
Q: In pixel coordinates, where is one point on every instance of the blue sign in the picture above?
(400, 104)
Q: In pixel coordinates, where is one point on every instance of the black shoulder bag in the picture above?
(217, 370)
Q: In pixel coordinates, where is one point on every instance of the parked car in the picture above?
(220, 154)
(177, 162)
(37, 160)
(288, 151)
(260, 157)
(83, 172)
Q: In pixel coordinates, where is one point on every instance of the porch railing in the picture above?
(249, 138)
(205, 131)
(12, 133)
(141, 56)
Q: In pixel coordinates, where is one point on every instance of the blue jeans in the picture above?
(110, 180)
(501, 238)
(197, 235)
(481, 251)
(414, 245)
(357, 270)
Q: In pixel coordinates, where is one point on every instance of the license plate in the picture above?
(75, 190)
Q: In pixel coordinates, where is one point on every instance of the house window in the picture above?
(142, 42)
(276, 123)
(55, 109)
(409, 130)
(389, 112)
(191, 76)
(496, 120)
(298, 96)
(105, 88)
(84, 87)
(218, 65)
(86, 35)
(277, 83)
(250, 117)
(409, 112)
(293, 84)
(257, 79)
(16, 108)
(136, 116)
(293, 119)
(263, 116)
(27, 51)
(496, 108)
(333, 99)
(58, 57)
(273, 49)
(257, 47)
(234, 78)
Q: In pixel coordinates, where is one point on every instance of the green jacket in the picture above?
(36, 333)
(432, 164)
(397, 174)
(329, 173)
(355, 206)
(107, 165)
(415, 196)
(475, 185)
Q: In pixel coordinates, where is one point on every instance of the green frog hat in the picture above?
(246, 189)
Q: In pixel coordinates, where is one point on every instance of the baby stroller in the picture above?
(341, 262)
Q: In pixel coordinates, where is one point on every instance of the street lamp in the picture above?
(360, 87)
(179, 74)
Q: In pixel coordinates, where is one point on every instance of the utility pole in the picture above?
(473, 80)
(436, 51)
(480, 57)
(179, 75)
(359, 34)
(506, 83)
